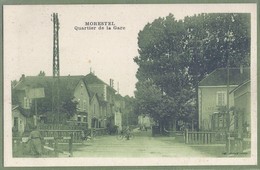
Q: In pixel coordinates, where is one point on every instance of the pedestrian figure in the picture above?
(127, 131)
(83, 134)
(36, 142)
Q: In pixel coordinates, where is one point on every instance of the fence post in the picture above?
(229, 143)
(70, 145)
(56, 147)
(186, 136)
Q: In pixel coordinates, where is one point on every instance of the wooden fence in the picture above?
(59, 127)
(60, 134)
(22, 147)
(236, 144)
(77, 134)
(193, 137)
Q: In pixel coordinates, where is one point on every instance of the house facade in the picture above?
(95, 116)
(212, 96)
(82, 96)
(242, 104)
(19, 120)
(105, 101)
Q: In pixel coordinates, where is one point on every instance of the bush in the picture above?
(112, 129)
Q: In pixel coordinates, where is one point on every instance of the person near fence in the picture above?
(127, 131)
(36, 142)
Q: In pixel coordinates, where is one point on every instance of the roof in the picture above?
(93, 79)
(219, 77)
(240, 85)
(21, 110)
(69, 82)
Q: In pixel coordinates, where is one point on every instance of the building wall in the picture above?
(21, 120)
(118, 119)
(208, 104)
(21, 98)
(103, 116)
(107, 94)
(82, 97)
(94, 110)
(242, 103)
(99, 89)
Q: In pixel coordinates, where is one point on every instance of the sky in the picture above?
(28, 38)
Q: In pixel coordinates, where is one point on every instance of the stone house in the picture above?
(105, 101)
(82, 96)
(212, 96)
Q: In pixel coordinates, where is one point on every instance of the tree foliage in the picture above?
(175, 55)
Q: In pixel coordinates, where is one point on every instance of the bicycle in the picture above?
(87, 136)
(125, 135)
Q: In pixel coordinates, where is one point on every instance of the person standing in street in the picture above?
(36, 142)
(127, 131)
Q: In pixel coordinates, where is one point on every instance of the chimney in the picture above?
(118, 87)
(111, 83)
(22, 78)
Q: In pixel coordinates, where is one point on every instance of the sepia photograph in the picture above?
(130, 85)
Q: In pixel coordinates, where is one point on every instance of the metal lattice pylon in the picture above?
(56, 69)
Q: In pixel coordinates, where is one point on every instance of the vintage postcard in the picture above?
(130, 85)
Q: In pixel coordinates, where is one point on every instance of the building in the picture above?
(242, 105)
(120, 111)
(20, 120)
(82, 97)
(29, 104)
(101, 97)
(95, 99)
(212, 96)
(144, 121)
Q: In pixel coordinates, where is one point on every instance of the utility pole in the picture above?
(56, 69)
(229, 40)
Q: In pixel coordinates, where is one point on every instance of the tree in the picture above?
(69, 107)
(42, 73)
(174, 56)
(207, 45)
(129, 117)
(15, 100)
(214, 41)
(163, 69)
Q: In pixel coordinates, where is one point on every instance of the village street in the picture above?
(142, 145)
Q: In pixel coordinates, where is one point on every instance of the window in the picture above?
(84, 118)
(221, 98)
(27, 102)
(84, 105)
(218, 121)
(16, 122)
(79, 104)
(79, 118)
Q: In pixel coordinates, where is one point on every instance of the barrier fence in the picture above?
(236, 144)
(54, 142)
(22, 146)
(200, 137)
(60, 134)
